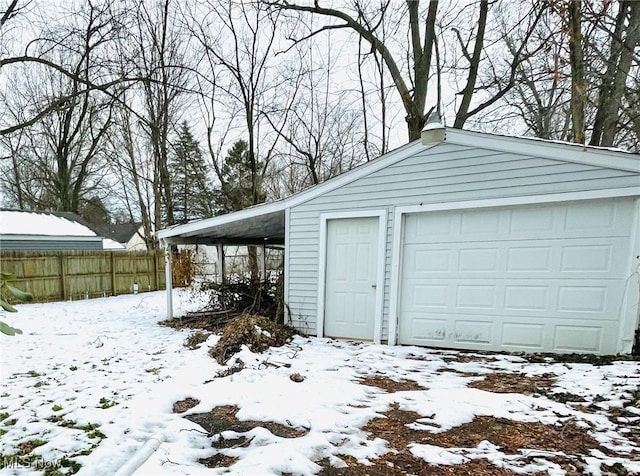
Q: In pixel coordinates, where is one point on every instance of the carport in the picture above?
(261, 226)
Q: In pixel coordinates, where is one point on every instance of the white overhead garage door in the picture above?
(541, 278)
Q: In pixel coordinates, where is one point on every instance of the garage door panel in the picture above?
(476, 296)
(526, 221)
(542, 278)
(479, 260)
(573, 258)
(437, 227)
(473, 332)
(527, 297)
(585, 299)
(426, 261)
(512, 334)
(428, 295)
(527, 335)
(578, 338)
(476, 223)
(547, 221)
(602, 257)
(529, 259)
(591, 217)
(424, 329)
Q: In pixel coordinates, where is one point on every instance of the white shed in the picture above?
(479, 242)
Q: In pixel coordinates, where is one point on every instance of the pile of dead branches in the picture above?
(244, 296)
(258, 333)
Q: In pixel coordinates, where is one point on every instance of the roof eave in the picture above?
(556, 150)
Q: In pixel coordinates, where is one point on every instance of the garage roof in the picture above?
(265, 223)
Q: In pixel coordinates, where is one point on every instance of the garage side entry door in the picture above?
(535, 278)
(350, 281)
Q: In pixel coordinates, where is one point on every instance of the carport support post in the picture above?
(168, 277)
(263, 263)
(220, 264)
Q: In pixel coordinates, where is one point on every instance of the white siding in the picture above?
(447, 173)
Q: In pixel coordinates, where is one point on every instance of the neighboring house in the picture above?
(129, 235)
(44, 231)
(470, 241)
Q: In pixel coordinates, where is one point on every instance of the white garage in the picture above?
(463, 240)
(542, 277)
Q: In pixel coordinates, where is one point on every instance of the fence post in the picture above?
(168, 279)
(63, 276)
(114, 290)
(154, 256)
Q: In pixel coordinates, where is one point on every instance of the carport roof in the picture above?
(257, 225)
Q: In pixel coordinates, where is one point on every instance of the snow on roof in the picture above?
(109, 244)
(43, 224)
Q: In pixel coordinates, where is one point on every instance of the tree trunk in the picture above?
(576, 59)
(474, 64)
(254, 269)
(626, 37)
(415, 124)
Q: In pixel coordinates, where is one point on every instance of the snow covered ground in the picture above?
(89, 382)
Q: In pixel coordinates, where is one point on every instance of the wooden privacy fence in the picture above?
(71, 275)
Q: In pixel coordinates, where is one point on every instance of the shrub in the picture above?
(8, 293)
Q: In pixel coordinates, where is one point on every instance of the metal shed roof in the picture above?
(261, 224)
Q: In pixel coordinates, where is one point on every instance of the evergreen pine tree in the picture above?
(236, 191)
(192, 190)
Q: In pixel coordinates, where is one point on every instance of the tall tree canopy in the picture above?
(94, 93)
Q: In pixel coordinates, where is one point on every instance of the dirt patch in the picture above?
(223, 418)
(218, 460)
(182, 406)
(627, 422)
(393, 428)
(390, 385)
(562, 397)
(464, 358)
(501, 382)
(509, 435)
(404, 463)
(592, 359)
(258, 333)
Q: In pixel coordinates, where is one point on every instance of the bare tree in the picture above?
(625, 39)
(161, 60)
(64, 145)
(237, 39)
(581, 86)
(412, 86)
(43, 51)
(322, 130)
(133, 166)
(576, 60)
